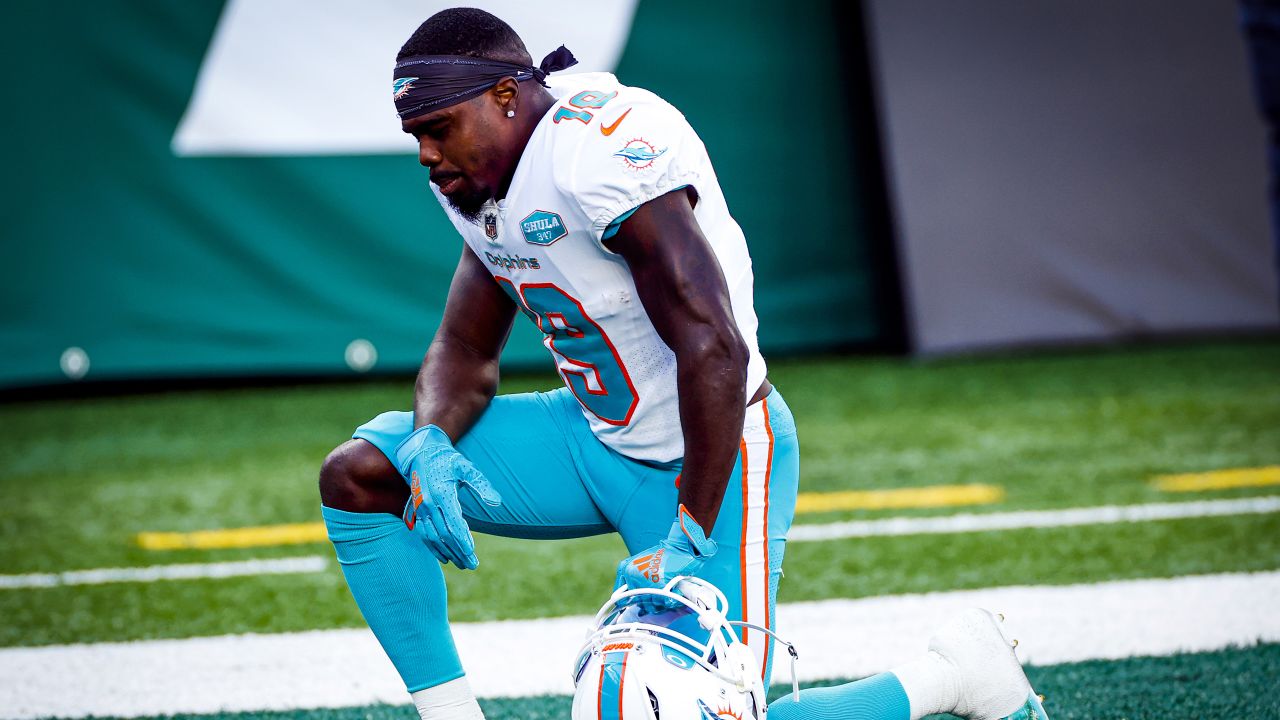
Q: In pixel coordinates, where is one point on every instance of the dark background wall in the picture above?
(1068, 171)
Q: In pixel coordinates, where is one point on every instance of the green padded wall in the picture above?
(161, 266)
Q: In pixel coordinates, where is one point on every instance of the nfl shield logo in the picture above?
(491, 225)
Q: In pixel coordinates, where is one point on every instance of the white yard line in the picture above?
(958, 523)
(189, 571)
(837, 638)
(978, 522)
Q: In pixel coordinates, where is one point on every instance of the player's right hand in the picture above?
(434, 470)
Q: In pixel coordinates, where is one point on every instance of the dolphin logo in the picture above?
(639, 155)
(401, 87)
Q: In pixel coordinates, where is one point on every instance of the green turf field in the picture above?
(79, 479)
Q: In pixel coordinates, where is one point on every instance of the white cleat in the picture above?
(992, 684)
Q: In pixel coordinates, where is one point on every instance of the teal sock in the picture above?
(399, 587)
(879, 697)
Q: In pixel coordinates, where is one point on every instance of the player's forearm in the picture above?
(711, 381)
(454, 387)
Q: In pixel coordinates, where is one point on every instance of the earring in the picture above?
(511, 113)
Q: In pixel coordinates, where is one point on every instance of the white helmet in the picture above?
(681, 661)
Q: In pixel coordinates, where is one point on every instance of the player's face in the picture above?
(467, 149)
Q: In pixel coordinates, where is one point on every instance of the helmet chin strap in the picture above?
(791, 650)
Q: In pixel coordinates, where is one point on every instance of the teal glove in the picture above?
(434, 470)
(684, 552)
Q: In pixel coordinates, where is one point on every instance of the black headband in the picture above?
(425, 83)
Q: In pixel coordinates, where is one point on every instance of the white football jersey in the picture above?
(603, 150)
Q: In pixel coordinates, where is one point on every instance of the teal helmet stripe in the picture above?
(612, 675)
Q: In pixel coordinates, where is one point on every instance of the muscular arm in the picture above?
(459, 375)
(685, 295)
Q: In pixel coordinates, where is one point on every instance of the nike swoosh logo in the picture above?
(607, 130)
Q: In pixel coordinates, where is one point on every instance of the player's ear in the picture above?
(505, 94)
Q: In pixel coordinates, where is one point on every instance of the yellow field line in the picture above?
(917, 497)
(1219, 479)
(302, 533)
(245, 537)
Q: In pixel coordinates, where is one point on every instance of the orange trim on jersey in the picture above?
(550, 343)
(742, 447)
(768, 571)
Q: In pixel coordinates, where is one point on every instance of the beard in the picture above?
(469, 203)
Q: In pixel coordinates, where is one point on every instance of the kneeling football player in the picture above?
(592, 209)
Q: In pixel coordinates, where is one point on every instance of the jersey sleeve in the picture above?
(650, 151)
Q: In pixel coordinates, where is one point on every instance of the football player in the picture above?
(591, 208)
(673, 654)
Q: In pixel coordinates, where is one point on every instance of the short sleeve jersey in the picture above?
(603, 150)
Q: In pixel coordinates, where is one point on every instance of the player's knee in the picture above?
(357, 477)
(336, 473)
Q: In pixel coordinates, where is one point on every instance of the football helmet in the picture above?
(668, 653)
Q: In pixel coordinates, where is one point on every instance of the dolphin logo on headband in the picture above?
(401, 87)
(426, 83)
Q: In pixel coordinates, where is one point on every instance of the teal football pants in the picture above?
(558, 481)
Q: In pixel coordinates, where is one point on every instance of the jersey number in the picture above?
(586, 357)
(582, 101)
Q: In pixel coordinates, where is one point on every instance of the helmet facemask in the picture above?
(667, 654)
